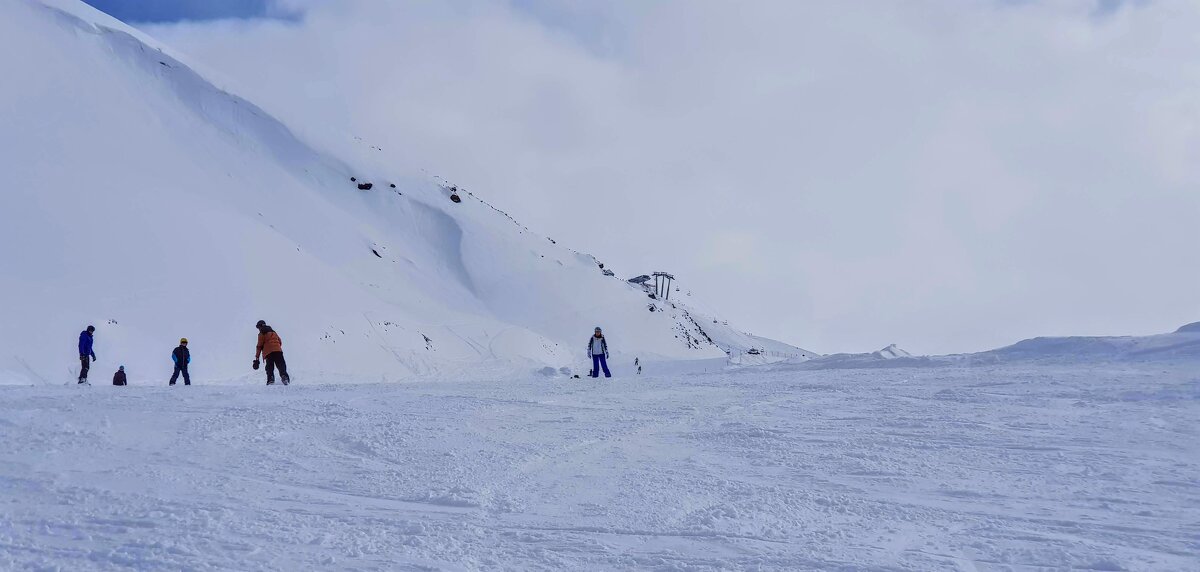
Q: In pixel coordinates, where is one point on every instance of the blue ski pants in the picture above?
(598, 361)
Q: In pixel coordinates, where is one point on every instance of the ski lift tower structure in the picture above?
(662, 285)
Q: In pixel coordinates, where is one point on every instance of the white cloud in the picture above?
(946, 175)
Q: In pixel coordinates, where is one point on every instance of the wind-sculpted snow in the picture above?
(999, 468)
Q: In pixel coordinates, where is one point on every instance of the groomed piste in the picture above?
(1015, 467)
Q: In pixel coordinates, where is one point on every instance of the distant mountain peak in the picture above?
(1193, 328)
(891, 352)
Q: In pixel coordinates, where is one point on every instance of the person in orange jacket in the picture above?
(271, 348)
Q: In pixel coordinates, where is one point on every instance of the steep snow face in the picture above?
(141, 199)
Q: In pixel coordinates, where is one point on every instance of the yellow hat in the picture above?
(183, 340)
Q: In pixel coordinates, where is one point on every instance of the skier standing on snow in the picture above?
(85, 352)
(182, 357)
(119, 377)
(271, 348)
(598, 351)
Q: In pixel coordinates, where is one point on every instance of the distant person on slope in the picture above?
(598, 351)
(119, 377)
(182, 357)
(271, 348)
(85, 352)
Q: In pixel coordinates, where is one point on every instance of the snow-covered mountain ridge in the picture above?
(1182, 345)
(142, 199)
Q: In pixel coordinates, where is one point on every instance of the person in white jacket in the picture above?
(598, 351)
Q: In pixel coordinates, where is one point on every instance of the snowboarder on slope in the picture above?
(85, 352)
(182, 357)
(271, 348)
(119, 377)
(598, 351)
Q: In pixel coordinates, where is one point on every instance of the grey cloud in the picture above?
(947, 176)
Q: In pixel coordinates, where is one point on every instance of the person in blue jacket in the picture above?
(598, 351)
(182, 357)
(86, 352)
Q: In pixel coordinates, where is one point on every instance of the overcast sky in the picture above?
(946, 175)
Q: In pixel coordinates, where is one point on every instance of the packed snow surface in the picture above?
(995, 468)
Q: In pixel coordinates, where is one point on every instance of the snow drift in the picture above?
(142, 199)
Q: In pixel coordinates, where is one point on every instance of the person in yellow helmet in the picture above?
(182, 357)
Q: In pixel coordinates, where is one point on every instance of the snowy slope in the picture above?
(140, 198)
(1182, 344)
(948, 469)
(700, 326)
(737, 343)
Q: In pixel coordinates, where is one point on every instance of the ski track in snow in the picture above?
(998, 468)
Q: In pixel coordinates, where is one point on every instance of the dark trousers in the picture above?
(181, 368)
(598, 361)
(84, 365)
(275, 360)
